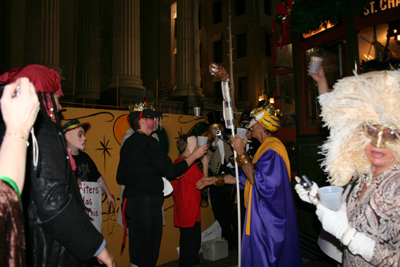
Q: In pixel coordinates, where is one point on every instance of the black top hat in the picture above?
(214, 117)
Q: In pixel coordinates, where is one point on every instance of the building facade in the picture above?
(119, 52)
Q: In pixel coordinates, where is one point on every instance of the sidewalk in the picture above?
(309, 260)
(229, 261)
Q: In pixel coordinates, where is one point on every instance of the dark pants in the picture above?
(222, 202)
(144, 220)
(189, 243)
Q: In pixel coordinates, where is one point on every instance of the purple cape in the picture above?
(274, 237)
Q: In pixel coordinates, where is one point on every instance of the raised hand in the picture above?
(200, 151)
(19, 107)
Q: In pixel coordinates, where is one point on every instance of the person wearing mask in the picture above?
(222, 198)
(362, 152)
(143, 163)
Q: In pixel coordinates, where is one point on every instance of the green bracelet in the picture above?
(12, 184)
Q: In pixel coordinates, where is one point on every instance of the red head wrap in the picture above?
(45, 80)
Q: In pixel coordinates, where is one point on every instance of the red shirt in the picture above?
(187, 198)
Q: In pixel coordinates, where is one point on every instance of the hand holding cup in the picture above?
(202, 140)
(241, 132)
(314, 64)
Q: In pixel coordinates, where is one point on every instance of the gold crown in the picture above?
(141, 106)
(269, 108)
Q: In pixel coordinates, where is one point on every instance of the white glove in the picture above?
(334, 222)
(363, 246)
(309, 196)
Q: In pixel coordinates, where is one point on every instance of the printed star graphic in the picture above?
(105, 149)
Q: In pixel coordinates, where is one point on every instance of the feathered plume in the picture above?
(371, 98)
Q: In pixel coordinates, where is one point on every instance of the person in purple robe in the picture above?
(270, 234)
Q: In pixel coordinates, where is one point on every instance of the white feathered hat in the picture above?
(355, 101)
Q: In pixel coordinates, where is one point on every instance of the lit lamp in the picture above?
(393, 31)
(397, 37)
(260, 100)
(271, 100)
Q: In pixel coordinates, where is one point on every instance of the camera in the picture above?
(16, 92)
(218, 133)
(305, 182)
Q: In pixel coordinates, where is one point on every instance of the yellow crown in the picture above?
(265, 115)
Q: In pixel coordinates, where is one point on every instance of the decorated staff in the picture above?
(219, 71)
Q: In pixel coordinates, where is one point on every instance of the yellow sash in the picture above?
(270, 143)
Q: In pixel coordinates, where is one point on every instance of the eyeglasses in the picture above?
(381, 135)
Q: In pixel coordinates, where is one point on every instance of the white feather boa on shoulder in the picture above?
(355, 100)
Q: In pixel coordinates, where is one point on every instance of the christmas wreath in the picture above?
(305, 16)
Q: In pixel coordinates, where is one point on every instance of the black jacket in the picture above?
(142, 163)
(58, 231)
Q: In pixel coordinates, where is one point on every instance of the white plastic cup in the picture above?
(202, 140)
(241, 132)
(197, 111)
(314, 64)
(331, 197)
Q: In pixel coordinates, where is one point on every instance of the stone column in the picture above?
(43, 33)
(88, 47)
(126, 49)
(188, 53)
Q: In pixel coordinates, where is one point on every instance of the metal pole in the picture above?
(231, 82)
